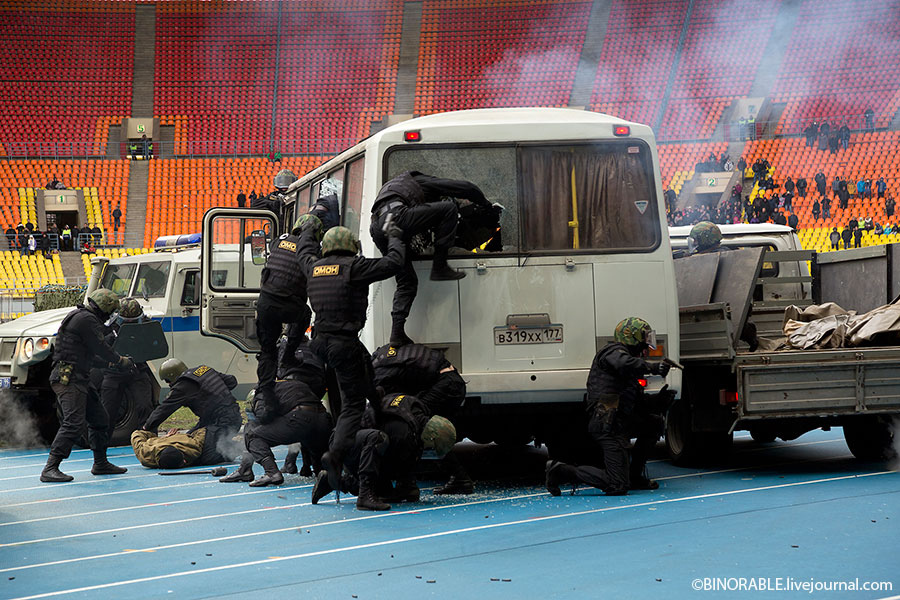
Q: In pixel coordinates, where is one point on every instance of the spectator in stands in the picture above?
(816, 210)
(23, 241)
(117, 218)
(857, 238)
(793, 221)
(788, 198)
(835, 239)
(52, 184)
(833, 144)
(145, 146)
(881, 187)
(789, 185)
(870, 119)
(32, 244)
(29, 226)
(76, 238)
(66, 238)
(811, 132)
(879, 230)
(801, 187)
(825, 128)
(252, 197)
(835, 187)
(241, 199)
(826, 207)
(823, 138)
(11, 237)
(844, 135)
(861, 223)
(45, 244)
(844, 192)
(869, 224)
(889, 229)
(847, 235)
(742, 166)
(868, 187)
(780, 218)
(97, 235)
(861, 188)
(889, 206)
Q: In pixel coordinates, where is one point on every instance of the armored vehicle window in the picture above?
(152, 279)
(190, 293)
(118, 278)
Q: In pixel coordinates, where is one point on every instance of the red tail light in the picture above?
(621, 130)
(726, 397)
(412, 136)
(642, 382)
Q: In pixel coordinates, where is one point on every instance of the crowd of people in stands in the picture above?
(26, 239)
(773, 203)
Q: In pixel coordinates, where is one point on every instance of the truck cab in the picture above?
(166, 282)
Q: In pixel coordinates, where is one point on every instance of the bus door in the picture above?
(234, 250)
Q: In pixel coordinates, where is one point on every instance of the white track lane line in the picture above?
(36, 475)
(239, 513)
(67, 461)
(267, 490)
(439, 534)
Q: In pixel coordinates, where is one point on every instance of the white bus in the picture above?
(582, 244)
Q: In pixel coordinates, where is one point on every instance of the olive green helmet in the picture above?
(706, 235)
(634, 331)
(304, 221)
(172, 370)
(339, 239)
(439, 434)
(106, 300)
(130, 308)
(284, 179)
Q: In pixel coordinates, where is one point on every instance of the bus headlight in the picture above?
(28, 349)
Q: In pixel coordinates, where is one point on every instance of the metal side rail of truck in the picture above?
(772, 394)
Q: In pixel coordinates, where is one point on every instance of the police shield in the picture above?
(142, 341)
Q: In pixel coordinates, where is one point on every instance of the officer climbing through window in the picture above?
(275, 200)
(618, 410)
(339, 293)
(79, 343)
(205, 391)
(416, 204)
(427, 374)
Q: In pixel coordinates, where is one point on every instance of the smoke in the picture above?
(18, 426)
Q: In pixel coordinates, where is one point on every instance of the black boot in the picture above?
(306, 470)
(398, 335)
(243, 473)
(322, 488)
(51, 472)
(331, 462)
(643, 483)
(441, 271)
(406, 491)
(457, 485)
(367, 500)
(290, 463)
(102, 466)
(557, 473)
(272, 476)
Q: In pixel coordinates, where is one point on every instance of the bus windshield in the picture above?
(597, 197)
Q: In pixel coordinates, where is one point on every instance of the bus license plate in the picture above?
(506, 336)
(4, 382)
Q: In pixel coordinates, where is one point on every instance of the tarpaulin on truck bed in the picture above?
(830, 326)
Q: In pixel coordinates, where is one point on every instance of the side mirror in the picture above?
(258, 247)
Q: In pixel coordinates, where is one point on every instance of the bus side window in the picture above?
(353, 189)
(190, 293)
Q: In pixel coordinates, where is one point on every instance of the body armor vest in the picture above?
(311, 371)
(215, 404)
(407, 407)
(292, 393)
(410, 368)
(339, 306)
(605, 381)
(403, 187)
(70, 347)
(282, 275)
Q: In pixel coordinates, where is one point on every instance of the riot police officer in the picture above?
(118, 386)
(282, 299)
(427, 374)
(275, 200)
(415, 203)
(308, 368)
(79, 342)
(205, 391)
(388, 448)
(300, 416)
(339, 293)
(618, 410)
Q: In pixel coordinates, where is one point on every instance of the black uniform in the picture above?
(402, 417)
(439, 387)
(301, 417)
(617, 411)
(415, 201)
(80, 341)
(308, 368)
(339, 293)
(207, 393)
(282, 299)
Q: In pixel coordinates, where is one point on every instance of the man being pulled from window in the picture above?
(618, 410)
(437, 384)
(415, 203)
(387, 448)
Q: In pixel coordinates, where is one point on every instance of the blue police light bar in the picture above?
(171, 242)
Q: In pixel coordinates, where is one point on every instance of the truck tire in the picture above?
(688, 447)
(135, 412)
(762, 436)
(872, 437)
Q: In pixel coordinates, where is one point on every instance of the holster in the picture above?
(605, 408)
(64, 371)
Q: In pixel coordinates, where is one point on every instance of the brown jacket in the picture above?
(147, 446)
